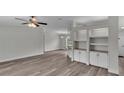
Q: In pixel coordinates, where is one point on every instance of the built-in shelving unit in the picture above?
(80, 45)
(90, 46)
(91, 43)
(98, 48)
(69, 47)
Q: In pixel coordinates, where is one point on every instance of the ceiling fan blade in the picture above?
(37, 25)
(42, 23)
(25, 23)
(21, 19)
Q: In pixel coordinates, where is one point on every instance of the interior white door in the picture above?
(62, 42)
(103, 60)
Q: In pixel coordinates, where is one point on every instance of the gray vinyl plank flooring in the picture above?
(54, 63)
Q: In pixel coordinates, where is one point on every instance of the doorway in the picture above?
(63, 41)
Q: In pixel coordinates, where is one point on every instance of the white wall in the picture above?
(121, 43)
(51, 40)
(113, 44)
(18, 42)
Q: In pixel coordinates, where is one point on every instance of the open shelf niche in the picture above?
(80, 39)
(99, 40)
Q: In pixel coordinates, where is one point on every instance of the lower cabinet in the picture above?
(94, 58)
(80, 56)
(70, 53)
(99, 59)
(103, 60)
(76, 55)
(83, 57)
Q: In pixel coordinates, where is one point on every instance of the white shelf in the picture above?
(80, 40)
(100, 51)
(98, 36)
(70, 45)
(80, 49)
(98, 44)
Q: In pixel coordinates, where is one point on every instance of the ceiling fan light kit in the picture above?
(32, 25)
(32, 22)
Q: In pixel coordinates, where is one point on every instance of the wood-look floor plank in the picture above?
(93, 70)
(121, 66)
(102, 72)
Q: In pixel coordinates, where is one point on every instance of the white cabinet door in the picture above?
(76, 55)
(99, 32)
(82, 35)
(94, 58)
(103, 60)
(99, 59)
(83, 57)
(75, 36)
(121, 44)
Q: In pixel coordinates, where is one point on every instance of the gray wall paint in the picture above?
(17, 42)
(113, 44)
(51, 40)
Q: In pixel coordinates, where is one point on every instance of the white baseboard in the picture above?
(113, 71)
(15, 58)
(51, 50)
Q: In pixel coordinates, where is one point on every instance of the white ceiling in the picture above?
(53, 21)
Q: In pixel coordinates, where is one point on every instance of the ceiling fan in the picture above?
(32, 22)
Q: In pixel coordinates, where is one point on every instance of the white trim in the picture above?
(15, 58)
(113, 71)
(53, 50)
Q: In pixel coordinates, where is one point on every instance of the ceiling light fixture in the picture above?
(32, 22)
(32, 25)
(122, 27)
(34, 19)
